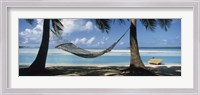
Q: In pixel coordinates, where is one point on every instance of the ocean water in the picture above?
(115, 57)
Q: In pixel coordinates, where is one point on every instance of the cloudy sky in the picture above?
(84, 33)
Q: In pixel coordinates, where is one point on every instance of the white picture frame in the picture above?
(5, 5)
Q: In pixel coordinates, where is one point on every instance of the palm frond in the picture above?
(57, 26)
(56, 34)
(164, 23)
(150, 24)
(30, 21)
(103, 24)
(119, 21)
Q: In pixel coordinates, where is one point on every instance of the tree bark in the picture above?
(40, 61)
(135, 60)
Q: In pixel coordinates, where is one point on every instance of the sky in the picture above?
(85, 34)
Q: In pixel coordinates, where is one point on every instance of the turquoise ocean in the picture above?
(115, 57)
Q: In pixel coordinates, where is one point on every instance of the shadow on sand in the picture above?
(97, 71)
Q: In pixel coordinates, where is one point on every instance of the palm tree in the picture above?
(38, 64)
(40, 60)
(136, 64)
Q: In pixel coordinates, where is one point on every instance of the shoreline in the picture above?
(100, 65)
(54, 50)
(102, 70)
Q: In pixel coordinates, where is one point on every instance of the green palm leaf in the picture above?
(103, 24)
(120, 21)
(57, 27)
(56, 34)
(30, 21)
(150, 24)
(164, 23)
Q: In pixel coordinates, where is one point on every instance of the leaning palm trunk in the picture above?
(135, 61)
(39, 62)
(136, 65)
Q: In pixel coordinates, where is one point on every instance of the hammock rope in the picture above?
(71, 48)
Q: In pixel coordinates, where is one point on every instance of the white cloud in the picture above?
(74, 25)
(32, 35)
(105, 38)
(84, 41)
(69, 25)
(88, 26)
(121, 43)
(91, 40)
(39, 21)
(165, 41)
(100, 43)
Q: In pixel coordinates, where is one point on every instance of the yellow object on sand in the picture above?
(155, 61)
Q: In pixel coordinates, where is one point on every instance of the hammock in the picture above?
(70, 47)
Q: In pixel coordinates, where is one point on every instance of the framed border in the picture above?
(6, 4)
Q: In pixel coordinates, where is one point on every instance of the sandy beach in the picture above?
(101, 70)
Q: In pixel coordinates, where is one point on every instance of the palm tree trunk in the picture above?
(39, 62)
(135, 61)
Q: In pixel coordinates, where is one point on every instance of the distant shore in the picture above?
(103, 70)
